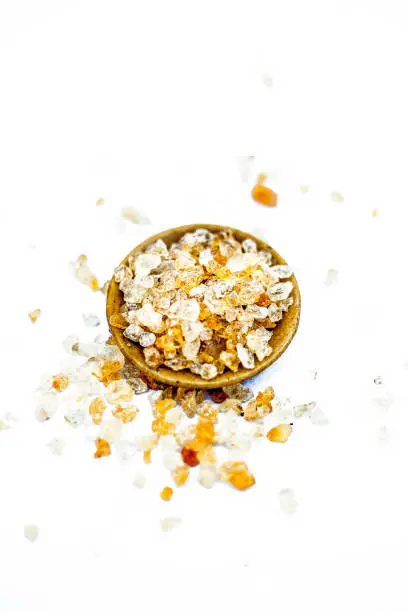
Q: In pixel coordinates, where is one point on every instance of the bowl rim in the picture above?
(184, 378)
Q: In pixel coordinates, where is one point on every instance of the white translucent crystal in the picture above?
(245, 356)
(46, 407)
(76, 415)
(184, 261)
(146, 262)
(205, 257)
(134, 293)
(257, 312)
(208, 371)
(191, 330)
(31, 532)
(201, 236)
(56, 446)
(145, 443)
(318, 417)
(187, 310)
(249, 246)
(281, 271)
(287, 501)
(257, 342)
(190, 349)
(91, 320)
(230, 314)
(126, 449)
(280, 291)
(69, 343)
(139, 481)
(159, 248)
(176, 364)
(206, 334)
(174, 415)
(110, 352)
(169, 523)
(274, 313)
(304, 409)
(332, 276)
(133, 332)
(111, 430)
(383, 433)
(119, 391)
(207, 475)
(171, 460)
(147, 339)
(237, 263)
(88, 349)
(148, 317)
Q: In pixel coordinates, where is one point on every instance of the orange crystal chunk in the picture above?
(189, 456)
(109, 371)
(147, 456)
(60, 382)
(167, 493)
(163, 405)
(262, 194)
(238, 475)
(281, 433)
(94, 285)
(103, 448)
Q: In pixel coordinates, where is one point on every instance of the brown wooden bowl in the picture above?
(283, 333)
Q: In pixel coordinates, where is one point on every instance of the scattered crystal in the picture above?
(287, 501)
(166, 494)
(91, 320)
(47, 407)
(304, 409)
(280, 291)
(31, 532)
(131, 214)
(140, 481)
(318, 417)
(336, 196)
(169, 523)
(207, 475)
(111, 430)
(137, 384)
(56, 446)
(281, 433)
(147, 339)
(245, 357)
(34, 315)
(332, 276)
(102, 448)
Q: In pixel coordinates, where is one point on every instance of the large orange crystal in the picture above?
(103, 448)
(262, 194)
(189, 456)
(281, 433)
(167, 493)
(238, 475)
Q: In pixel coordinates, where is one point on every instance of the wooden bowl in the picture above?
(283, 333)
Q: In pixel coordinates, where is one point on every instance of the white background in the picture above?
(148, 104)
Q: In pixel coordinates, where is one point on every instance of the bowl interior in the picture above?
(283, 333)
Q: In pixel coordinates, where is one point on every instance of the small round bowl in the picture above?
(282, 336)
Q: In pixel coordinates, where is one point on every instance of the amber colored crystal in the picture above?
(281, 433)
(103, 448)
(147, 456)
(180, 474)
(238, 475)
(167, 493)
(60, 382)
(264, 300)
(262, 194)
(189, 456)
(96, 409)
